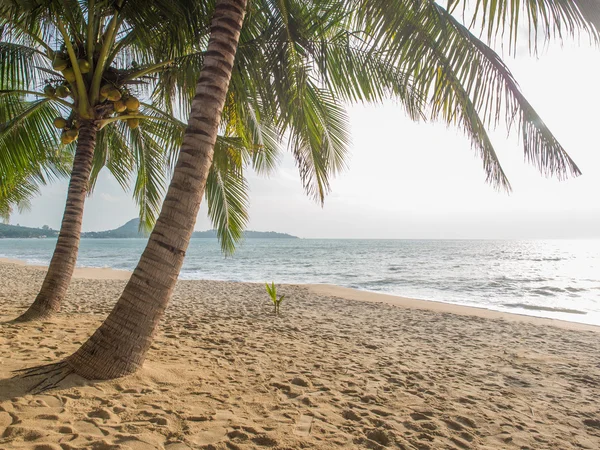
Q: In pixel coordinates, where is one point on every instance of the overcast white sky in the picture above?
(409, 180)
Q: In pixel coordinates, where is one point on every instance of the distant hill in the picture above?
(16, 231)
(249, 234)
(130, 230)
(127, 231)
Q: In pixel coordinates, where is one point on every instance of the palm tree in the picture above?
(69, 77)
(463, 79)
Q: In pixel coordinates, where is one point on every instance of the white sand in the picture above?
(338, 369)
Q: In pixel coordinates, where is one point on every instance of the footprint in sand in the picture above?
(88, 428)
(304, 425)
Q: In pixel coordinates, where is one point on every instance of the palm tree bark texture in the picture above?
(55, 285)
(120, 345)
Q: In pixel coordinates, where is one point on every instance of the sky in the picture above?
(410, 180)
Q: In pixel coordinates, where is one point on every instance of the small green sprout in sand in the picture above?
(272, 291)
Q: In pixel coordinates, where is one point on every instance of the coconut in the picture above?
(62, 91)
(73, 133)
(50, 53)
(114, 95)
(119, 106)
(84, 66)
(65, 139)
(132, 104)
(133, 123)
(59, 63)
(69, 74)
(104, 90)
(59, 122)
(49, 90)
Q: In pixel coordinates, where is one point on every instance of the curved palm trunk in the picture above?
(60, 271)
(119, 346)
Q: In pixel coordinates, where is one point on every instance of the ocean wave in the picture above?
(539, 259)
(504, 278)
(542, 293)
(382, 282)
(543, 308)
(552, 289)
(574, 289)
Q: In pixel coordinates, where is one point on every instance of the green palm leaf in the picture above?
(15, 193)
(227, 196)
(544, 18)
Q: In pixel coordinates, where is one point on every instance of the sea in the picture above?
(546, 278)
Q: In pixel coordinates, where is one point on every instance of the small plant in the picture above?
(272, 291)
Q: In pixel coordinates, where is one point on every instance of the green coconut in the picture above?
(132, 104)
(104, 90)
(49, 90)
(119, 106)
(62, 91)
(60, 123)
(69, 74)
(59, 63)
(133, 123)
(73, 133)
(114, 95)
(65, 139)
(84, 66)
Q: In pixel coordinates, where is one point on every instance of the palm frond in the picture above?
(20, 66)
(545, 19)
(112, 151)
(465, 81)
(491, 85)
(16, 193)
(27, 133)
(319, 139)
(227, 196)
(151, 167)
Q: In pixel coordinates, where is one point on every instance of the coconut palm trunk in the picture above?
(62, 265)
(120, 345)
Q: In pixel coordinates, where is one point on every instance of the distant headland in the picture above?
(130, 230)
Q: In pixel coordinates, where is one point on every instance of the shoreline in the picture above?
(444, 308)
(90, 273)
(330, 290)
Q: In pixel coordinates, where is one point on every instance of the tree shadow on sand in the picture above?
(40, 379)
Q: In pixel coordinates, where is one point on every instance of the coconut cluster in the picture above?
(60, 90)
(62, 63)
(123, 103)
(70, 132)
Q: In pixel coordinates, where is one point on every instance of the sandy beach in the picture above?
(338, 369)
